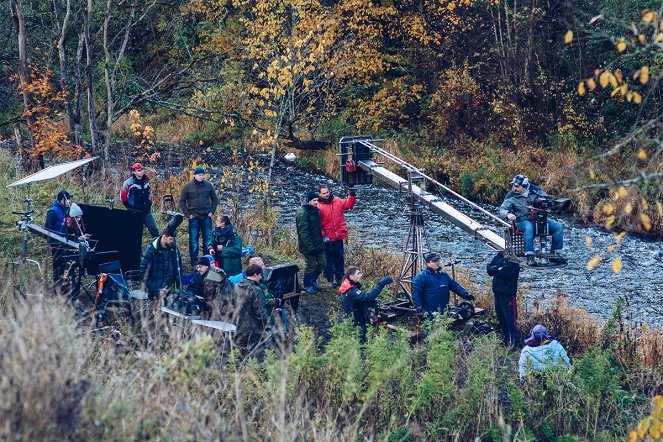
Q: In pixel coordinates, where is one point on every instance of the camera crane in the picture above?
(358, 168)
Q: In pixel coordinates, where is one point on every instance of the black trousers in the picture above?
(506, 310)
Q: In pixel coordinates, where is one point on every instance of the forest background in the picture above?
(566, 92)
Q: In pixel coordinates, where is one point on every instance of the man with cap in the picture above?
(73, 228)
(430, 288)
(54, 222)
(515, 208)
(211, 285)
(161, 265)
(311, 245)
(541, 352)
(135, 195)
(198, 201)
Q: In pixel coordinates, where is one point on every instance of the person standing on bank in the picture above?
(135, 195)
(198, 202)
(430, 288)
(505, 288)
(309, 236)
(334, 231)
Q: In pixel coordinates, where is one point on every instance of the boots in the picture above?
(314, 282)
(339, 280)
(307, 285)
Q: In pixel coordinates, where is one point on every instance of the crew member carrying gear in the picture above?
(135, 195)
(357, 302)
(516, 208)
(161, 265)
(505, 288)
(430, 288)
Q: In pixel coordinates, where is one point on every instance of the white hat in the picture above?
(74, 210)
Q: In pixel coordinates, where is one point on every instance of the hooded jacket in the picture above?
(356, 302)
(332, 217)
(135, 194)
(430, 290)
(251, 313)
(198, 199)
(505, 275)
(517, 203)
(159, 267)
(309, 230)
(539, 357)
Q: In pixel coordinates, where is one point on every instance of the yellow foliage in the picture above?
(617, 265)
(588, 241)
(568, 37)
(591, 83)
(621, 45)
(642, 155)
(592, 263)
(581, 88)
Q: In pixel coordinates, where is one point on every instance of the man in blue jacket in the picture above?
(505, 274)
(430, 288)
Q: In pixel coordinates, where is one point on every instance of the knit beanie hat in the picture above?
(311, 196)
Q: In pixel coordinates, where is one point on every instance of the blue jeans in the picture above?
(335, 259)
(195, 226)
(555, 228)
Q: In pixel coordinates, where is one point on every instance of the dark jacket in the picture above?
(198, 199)
(215, 291)
(55, 218)
(505, 275)
(251, 314)
(230, 258)
(160, 268)
(356, 302)
(430, 290)
(309, 230)
(517, 204)
(135, 194)
(73, 229)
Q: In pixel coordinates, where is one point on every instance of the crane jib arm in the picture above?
(435, 204)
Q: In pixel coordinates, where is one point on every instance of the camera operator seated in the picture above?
(212, 288)
(516, 208)
(73, 229)
(73, 226)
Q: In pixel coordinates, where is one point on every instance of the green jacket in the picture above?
(309, 230)
(251, 314)
(230, 258)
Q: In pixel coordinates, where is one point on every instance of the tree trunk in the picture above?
(64, 74)
(76, 100)
(27, 160)
(94, 133)
(110, 77)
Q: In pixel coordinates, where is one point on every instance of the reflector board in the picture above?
(51, 172)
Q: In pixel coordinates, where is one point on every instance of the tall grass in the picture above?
(58, 382)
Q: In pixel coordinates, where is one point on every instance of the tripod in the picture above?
(416, 245)
(22, 224)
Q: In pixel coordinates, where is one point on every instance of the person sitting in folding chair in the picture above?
(73, 228)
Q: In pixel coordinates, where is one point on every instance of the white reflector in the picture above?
(52, 172)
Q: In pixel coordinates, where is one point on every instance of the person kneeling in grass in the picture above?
(541, 352)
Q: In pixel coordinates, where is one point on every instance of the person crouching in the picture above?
(356, 302)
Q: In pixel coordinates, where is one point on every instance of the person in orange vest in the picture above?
(334, 231)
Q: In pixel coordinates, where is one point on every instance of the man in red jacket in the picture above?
(334, 231)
